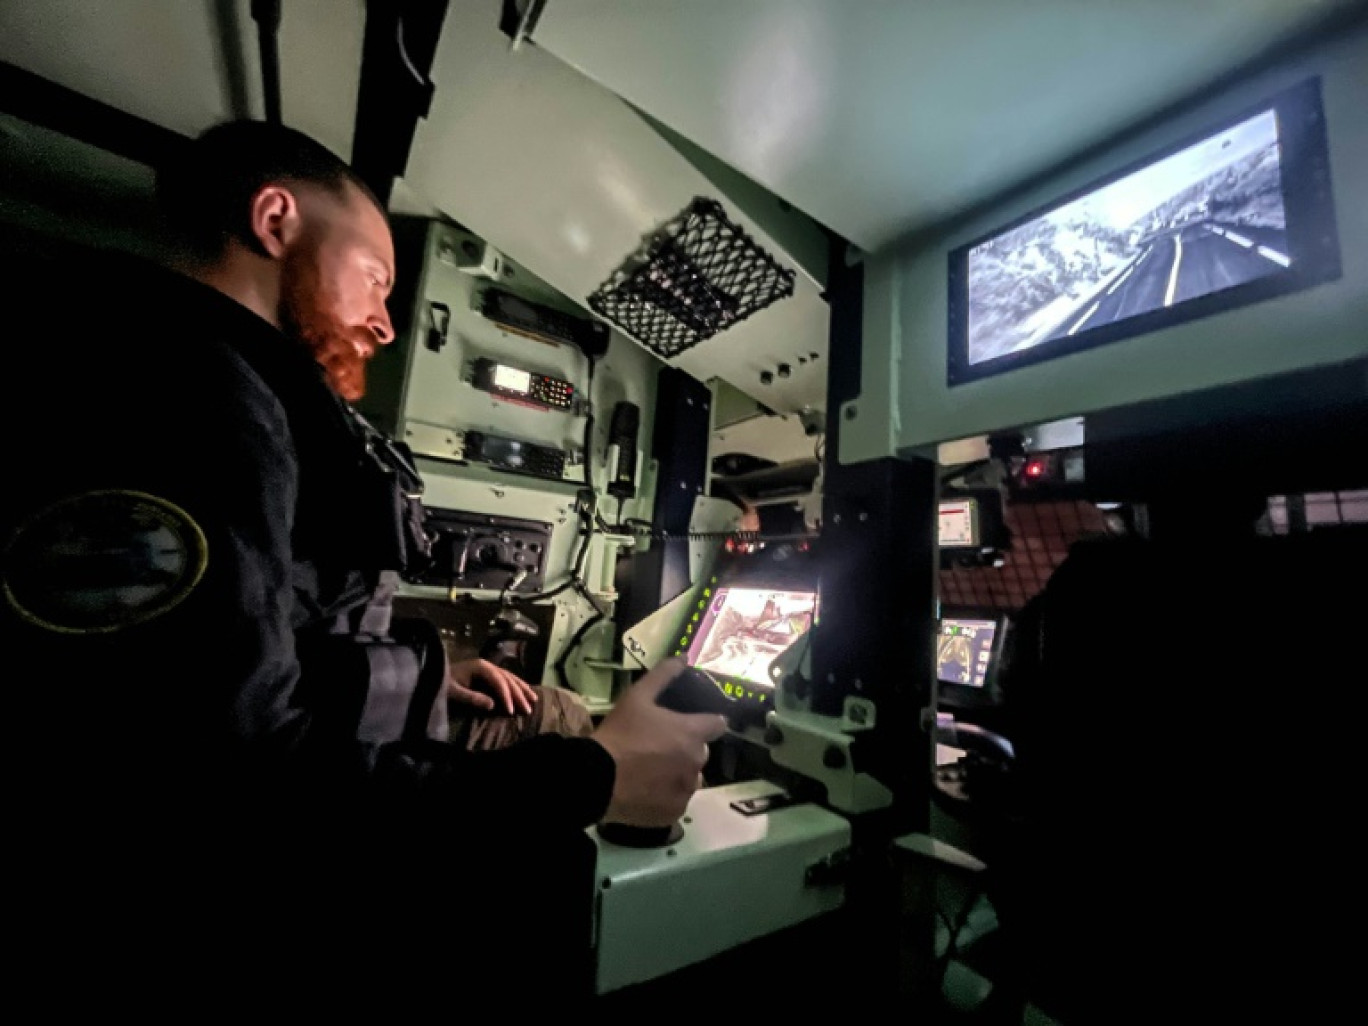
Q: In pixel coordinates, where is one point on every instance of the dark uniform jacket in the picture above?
(189, 519)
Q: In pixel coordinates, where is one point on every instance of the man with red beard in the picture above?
(227, 732)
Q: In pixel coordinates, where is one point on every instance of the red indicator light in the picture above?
(1036, 468)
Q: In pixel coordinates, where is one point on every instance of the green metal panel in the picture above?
(905, 402)
(730, 879)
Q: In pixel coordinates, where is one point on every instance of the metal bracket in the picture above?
(819, 747)
(530, 13)
(440, 316)
(829, 871)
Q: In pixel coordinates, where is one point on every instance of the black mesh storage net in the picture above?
(698, 275)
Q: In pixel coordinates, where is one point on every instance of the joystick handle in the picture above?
(693, 691)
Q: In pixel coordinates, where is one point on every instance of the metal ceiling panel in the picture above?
(567, 179)
(880, 117)
(186, 64)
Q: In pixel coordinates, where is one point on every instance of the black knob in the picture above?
(766, 378)
(694, 691)
(774, 736)
(640, 837)
(785, 370)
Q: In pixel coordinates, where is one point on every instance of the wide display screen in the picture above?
(1240, 214)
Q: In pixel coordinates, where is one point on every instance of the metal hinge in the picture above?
(828, 871)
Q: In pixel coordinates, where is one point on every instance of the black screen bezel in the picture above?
(740, 687)
(1313, 241)
(961, 697)
(779, 566)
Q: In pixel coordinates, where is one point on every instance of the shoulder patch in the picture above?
(102, 561)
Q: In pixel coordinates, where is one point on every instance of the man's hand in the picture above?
(479, 684)
(660, 754)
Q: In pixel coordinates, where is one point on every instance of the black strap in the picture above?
(405, 696)
(427, 715)
(379, 610)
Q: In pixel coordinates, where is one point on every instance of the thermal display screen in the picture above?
(512, 380)
(964, 651)
(745, 629)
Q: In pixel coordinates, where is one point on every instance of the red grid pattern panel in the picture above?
(1041, 535)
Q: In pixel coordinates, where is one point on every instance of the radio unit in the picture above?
(514, 455)
(506, 382)
(542, 323)
(477, 550)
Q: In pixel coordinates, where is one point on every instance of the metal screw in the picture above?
(836, 519)
(863, 516)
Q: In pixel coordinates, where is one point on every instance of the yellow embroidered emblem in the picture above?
(102, 561)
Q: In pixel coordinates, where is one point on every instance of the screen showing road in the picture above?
(746, 629)
(964, 651)
(1207, 218)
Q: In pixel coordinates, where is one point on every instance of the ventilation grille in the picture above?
(695, 277)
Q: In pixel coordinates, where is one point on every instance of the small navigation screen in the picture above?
(965, 651)
(512, 380)
(746, 629)
(957, 523)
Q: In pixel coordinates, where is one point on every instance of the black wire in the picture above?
(578, 638)
(741, 536)
(589, 425)
(575, 580)
(508, 584)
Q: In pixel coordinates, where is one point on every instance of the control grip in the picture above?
(693, 691)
